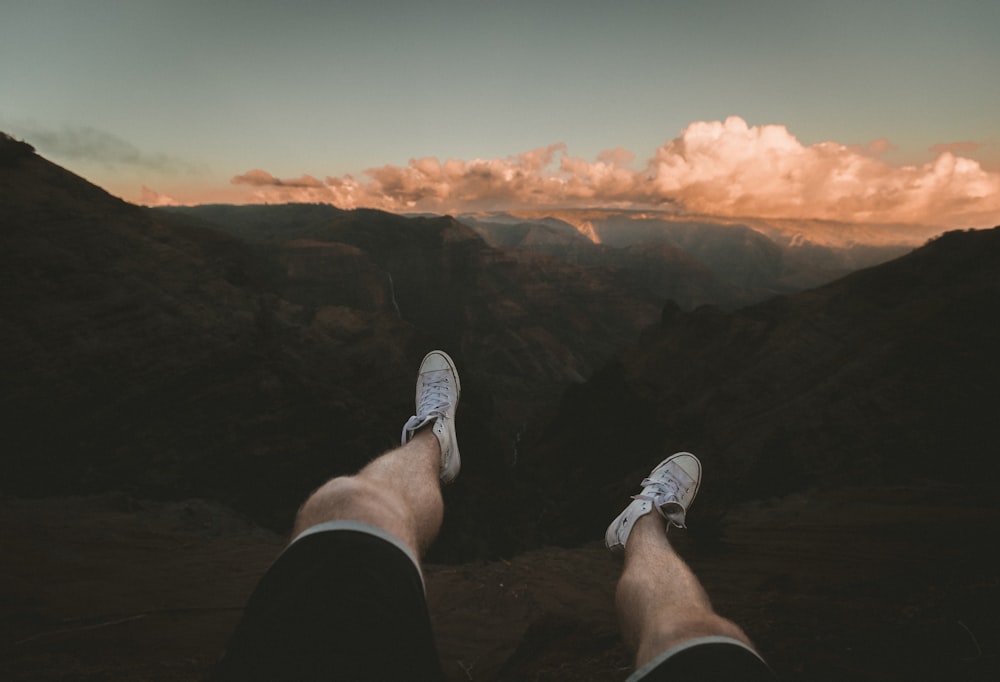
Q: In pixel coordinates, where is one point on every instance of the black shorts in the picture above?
(344, 601)
(706, 659)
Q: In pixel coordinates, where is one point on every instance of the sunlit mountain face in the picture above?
(626, 226)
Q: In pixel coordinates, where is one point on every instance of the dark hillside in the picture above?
(887, 375)
(248, 353)
(154, 358)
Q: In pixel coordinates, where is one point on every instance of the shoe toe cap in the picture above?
(690, 464)
(435, 362)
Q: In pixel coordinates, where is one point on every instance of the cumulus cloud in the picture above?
(713, 168)
(547, 176)
(730, 168)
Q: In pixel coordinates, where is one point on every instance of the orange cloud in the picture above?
(714, 168)
(731, 169)
(259, 178)
(150, 197)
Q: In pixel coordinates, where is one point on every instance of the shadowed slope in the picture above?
(886, 375)
(247, 354)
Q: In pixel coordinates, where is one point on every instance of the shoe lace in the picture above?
(435, 396)
(665, 496)
(434, 403)
(658, 490)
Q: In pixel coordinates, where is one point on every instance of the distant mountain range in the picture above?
(695, 262)
(246, 353)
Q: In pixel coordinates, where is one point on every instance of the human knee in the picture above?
(339, 498)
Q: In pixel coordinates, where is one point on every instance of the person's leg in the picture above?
(345, 600)
(660, 602)
(666, 617)
(398, 492)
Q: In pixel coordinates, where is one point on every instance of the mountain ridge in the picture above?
(866, 380)
(149, 357)
(153, 352)
(722, 262)
(228, 351)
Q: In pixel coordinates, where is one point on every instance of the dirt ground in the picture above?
(897, 583)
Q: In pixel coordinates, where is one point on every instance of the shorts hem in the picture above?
(368, 529)
(639, 674)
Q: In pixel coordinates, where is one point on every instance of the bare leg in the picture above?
(398, 492)
(323, 608)
(660, 601)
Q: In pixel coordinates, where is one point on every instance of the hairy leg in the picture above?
(398, 492)
(660, 601)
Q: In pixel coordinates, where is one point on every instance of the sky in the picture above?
(848, 110)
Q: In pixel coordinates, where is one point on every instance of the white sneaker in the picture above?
(438, 390)
(670, 489)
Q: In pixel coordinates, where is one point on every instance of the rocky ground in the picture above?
(893, 583)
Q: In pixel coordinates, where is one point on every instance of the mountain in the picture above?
(728, 264)
(663, 267)
(504, 312)
(244, 354)
(153, 357)
(248, 353)
(886, 375)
